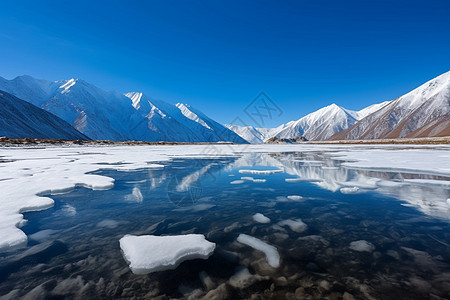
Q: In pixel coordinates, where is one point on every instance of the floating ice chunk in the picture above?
(253, 179)
(272, 256)
(43, 235)
(69, 210)
(295, 225)
(295, 197)
(362, 246)
(237, 182)
(107, 223)
(260, 172)
(135, 196)
(302, 180)
(259, 180)
(260, 218)
(349, 190)
(148, 253)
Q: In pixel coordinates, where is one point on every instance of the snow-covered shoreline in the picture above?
(26, 173)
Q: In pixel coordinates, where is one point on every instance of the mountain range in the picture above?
(108, 115)
(423, 112)
(105, 115)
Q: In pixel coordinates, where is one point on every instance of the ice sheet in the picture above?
(148, 253)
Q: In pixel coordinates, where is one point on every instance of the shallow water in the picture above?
(73, 248)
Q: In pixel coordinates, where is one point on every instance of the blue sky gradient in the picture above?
(218, 55)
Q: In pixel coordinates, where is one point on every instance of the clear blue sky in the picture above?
(218, 55)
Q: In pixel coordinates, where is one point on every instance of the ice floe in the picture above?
(260, 218)
(68, 210)
(148, 253)
(237, 181)
(349, 190)
(253, 179)
(295, 225)
(295, 197)
(135, 196)
(260, 172)
(362, 246)
(272, 256)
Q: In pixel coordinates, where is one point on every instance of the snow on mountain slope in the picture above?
(205, 127)
(20, 119)
(423, 112)
(361, 114)
(249, 133)
(159, 120)
(255, 135)
(319, 125)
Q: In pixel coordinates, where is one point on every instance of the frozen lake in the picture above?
(287, 221)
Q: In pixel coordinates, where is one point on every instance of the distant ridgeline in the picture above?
(105, 115)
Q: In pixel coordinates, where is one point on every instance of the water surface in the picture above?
(73, 248)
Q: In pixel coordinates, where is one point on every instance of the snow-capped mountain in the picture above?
(180, 122)
(423, 112)
(255, 135)
(106, 115)
(318, 125)
(20, 119)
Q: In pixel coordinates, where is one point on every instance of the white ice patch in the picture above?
(237, 182)
(260, 218)
(349, 190)
(362, 246)
(260, 172)
(135, 196)
(107, 223)
(295, 197)
(295, 225)
(253, 179)
(272, 256)
(148, 253)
